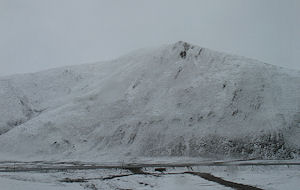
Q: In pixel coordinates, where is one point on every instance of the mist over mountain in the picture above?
(174, 100)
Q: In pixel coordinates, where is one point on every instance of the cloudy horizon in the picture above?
(41, 34)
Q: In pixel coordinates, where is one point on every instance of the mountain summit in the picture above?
(176, 100)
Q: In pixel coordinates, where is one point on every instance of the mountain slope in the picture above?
(176, 100)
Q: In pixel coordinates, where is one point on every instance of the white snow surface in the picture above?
(265, 177)
(153, 102)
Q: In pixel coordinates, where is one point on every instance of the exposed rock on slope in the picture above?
(177, 100)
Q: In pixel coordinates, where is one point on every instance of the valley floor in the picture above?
(253, 175)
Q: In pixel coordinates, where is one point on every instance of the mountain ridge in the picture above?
(176, 100)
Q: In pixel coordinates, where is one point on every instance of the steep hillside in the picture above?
(176, 100)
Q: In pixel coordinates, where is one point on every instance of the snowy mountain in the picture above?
(176, 100)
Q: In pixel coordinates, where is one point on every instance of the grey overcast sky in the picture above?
(42, 34)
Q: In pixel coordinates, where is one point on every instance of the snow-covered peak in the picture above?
(174, 100)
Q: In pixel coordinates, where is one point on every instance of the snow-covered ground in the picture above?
(260, 177)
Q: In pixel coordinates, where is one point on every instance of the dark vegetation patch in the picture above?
(136, 170)
(264, 146)
(210, 177)
(160, 170)
(77, 180)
